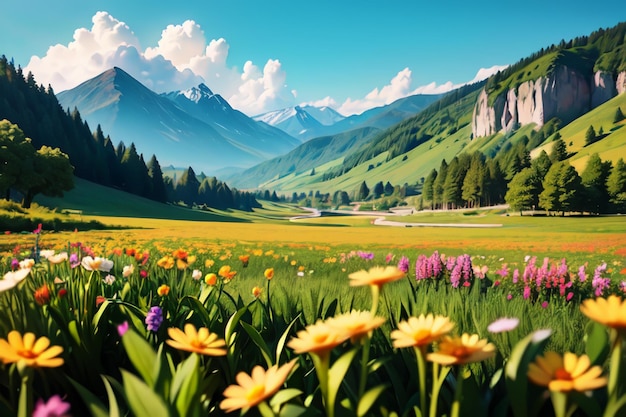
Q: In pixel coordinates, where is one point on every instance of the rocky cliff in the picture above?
(564, 93)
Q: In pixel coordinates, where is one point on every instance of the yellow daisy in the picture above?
(200, 341)
(565, 373)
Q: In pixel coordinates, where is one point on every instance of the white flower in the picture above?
(46, 253)
(58, 258)
(128, 271)
(300, 273)
(109, 279)
(504, 324)
(11, 279)
(27, 263)
(96, 264)
(196, 274)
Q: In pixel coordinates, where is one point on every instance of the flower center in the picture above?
(562, 374)
(198, 344)
(460, 352)
(27, 354)
(420, 335)
(255, 393)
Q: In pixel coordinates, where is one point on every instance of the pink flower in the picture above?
(570, 295)
(122, 328)
(509, 297)
(544, 304)
(55, 407)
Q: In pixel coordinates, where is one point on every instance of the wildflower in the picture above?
(226, 273)
(180, 254)
(209, 263)
(166, 262)
(74, 262)
(462, 349)
(122, 328)
(12, 278)
(421, 331)
(96, 264)
(318, 338)
(154, 318)
(62, 293)
(544, 304)
(403, 264)
(376, 276)
(42, 295)
(184, 263)
(163, 290)
(200, 341)
(109, 279)
(30, 351)
(54, 407)
(504, 324)
(300, 273)
(15, 264)
(356, 324)
(244, 260)
(610, 311)
(565, 373)
(256, 292)
(210, 279)
(269, 273)
(46, 253)
(99, 300)
(128, 271)
(256, 387)
(27, 263)
(389, 257)
(143, 273)
(196, 274)
(38, 229)
(509, 296)
(58, 258)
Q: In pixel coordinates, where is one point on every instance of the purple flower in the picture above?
(15, 264)
(54, 407)
(366, 255)
(74, 261)
(154, 318)
(403, 264)
(582, 276)
(526, 292)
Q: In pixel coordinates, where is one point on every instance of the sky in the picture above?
(266, 55)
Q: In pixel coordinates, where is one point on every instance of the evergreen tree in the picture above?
(594, 179)
(559, 151)
(524, 189)
(427, 189)
(362, 192)
(474, 182)
(438, 184)
(157, 186)
(452, 186)
(562, 189)
(616, 186)
(619, 116)
(590, 135)
(187, 187)
(134, 172)
(495, 183)
(379, 189)
(542, 164)
(388, 188)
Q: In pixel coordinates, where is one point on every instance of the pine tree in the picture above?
(427, 189)
(524, 189)
(438, 196)
(157, 186)
(363, 192)
(559, 151)
(590, 135)
(594, 179)
(187, 187)
(616, 186)
(619, 116)
(562, 189)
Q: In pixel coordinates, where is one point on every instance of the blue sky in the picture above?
(350, 54)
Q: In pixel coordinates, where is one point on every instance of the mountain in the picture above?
(306, 122)
(202, 131)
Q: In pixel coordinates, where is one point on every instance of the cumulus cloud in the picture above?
(400, 87)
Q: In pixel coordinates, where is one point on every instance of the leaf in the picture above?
(141, 399)
(114, 410)
(596, 342)
(94, 405)
(141, 355)
(232, 323)
(336, 374)
(282, 397)
(184, 390)
(292, 410)
(259, 341)
(197, 307)
(368, 399)
(283, 338)
(522, 354)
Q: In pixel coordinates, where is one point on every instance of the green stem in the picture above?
(439, 377)
(265, 409)
(420, 353)
(25, 406)
(364, 362)
(615, 371)
(322, 364)
(375, 296)
(458, 395)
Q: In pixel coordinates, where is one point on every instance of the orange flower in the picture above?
(200, 341)
(226, 273)
(269, 273)
(462, 349)
(421, 331)
(318, 338)
(565, 373)
(356, 324)
(29, 350)
(166, 262)
(180, 254)
(42, 295)
(244, 260)
(163, 290)
(210, 279)
(376, 276)
(131, 252)
(256, 387)
(256, 291)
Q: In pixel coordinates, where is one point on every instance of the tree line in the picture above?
(36, 112)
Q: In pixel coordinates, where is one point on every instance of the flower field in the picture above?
(262, 319)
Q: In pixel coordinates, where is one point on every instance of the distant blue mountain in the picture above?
(192, 128)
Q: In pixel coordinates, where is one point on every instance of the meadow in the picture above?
(121, 312)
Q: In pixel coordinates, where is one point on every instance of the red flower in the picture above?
(42, 295)
(99, 300)
(62, 293)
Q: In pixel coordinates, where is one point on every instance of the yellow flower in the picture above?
(269, 273)
(256, 291)
(210, 279)
(356, 324)
(376, 276)
(565, 373)
(318, 338)
(199, 341)
(610, 312)
(462, 349)
(163, 290)
(226, 273)
(30, 351)
(256, 387)
(421, 331)
(166, 262)
(209, 263)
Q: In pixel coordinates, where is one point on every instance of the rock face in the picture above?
(565, 93)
